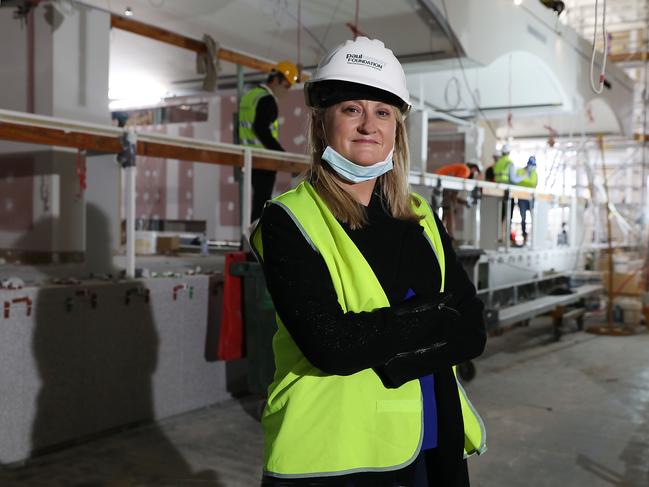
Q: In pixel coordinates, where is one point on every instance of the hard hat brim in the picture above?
(325, 93)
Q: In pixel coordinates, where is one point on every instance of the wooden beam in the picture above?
(629, 57)
(17, 132)
(260, 162)
(641, 137)
(165, 151)
(156, 33)
(163, 35)
(524, 195)
(244, 60)
(493, 192)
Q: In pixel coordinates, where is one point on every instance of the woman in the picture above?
(373, 309)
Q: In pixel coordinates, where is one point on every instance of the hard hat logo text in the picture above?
(365, 61)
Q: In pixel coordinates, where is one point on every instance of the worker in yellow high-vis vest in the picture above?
(505, 172)
(259, 127)
(373, 308)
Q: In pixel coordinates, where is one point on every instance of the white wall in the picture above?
(80, 66)
(559, 59)
(103, 211)
(70, 81)
(13, 62)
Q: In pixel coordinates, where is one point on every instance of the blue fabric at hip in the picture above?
(427, 385)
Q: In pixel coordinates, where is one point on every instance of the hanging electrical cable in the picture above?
(331, 21)
(299, 30)
(458, 95)
(307, 31)
(644, 217)
(609, 236)
(354, 27)
(509, 99)
(356, 18)
(81, 172)
(45, 193)
(551, 174)
(602, 74)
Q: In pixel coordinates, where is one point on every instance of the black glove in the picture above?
(408, 366)
(436, 309)
(412, 364)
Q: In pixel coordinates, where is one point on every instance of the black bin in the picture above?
(259, 325)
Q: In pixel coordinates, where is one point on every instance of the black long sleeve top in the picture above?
(265, 116)
(344, 343)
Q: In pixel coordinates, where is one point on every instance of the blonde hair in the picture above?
(394, 184)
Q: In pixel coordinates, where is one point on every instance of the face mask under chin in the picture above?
(355, 173)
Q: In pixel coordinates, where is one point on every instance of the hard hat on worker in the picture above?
(288, 70)
(505, 149)
(362, 69)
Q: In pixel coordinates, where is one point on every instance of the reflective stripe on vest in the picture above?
(501, 169)
(530, 181)
(247, 114)
(317, 424)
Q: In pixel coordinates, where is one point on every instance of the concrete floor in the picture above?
(569, 414)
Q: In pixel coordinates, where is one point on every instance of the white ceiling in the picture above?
(627, 22)
(621, 15)
(267, 29)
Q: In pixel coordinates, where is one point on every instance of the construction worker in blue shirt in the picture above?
(505, 172)
(528, 179)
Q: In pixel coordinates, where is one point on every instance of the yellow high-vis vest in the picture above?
(530, 180)
(316, 424)
(501, 169)
(247, 113)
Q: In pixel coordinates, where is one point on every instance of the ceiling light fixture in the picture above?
(128, 91)
(518, 2)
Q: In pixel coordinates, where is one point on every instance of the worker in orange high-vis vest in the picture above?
(450, 197)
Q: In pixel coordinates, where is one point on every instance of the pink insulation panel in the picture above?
(151, 183)
(186, 180)
(292, 131)
(445, 151)
(228, 187)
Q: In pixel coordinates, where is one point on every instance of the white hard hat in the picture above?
(505, 149)
(359, 69)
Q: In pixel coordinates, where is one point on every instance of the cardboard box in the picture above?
(602, 262)
(625, 283)
(167, 244)
(145, 242)
(602, 259)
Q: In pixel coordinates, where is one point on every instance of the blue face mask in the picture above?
(346, 169)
